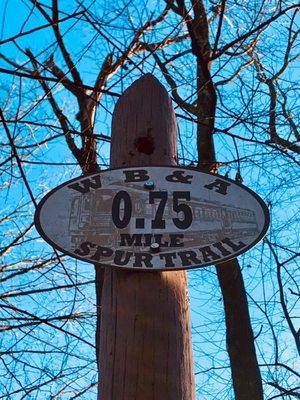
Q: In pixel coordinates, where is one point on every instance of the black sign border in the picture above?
(175, 167)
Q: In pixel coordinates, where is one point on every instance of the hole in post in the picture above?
(144, 144)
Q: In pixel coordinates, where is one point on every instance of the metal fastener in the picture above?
(149, 184)
(154, 247)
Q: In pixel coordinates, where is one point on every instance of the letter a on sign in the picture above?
(220, 185)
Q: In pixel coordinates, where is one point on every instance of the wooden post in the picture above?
(145, 347)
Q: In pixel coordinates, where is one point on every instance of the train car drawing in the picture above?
(90, 216)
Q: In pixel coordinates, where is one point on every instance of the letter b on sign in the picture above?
(137, 175)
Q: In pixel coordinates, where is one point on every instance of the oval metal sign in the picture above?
(152, 218)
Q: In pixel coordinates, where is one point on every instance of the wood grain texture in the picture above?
(145, 337)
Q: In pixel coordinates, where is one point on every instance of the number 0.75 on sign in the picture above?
(160, 198)
(152, 218)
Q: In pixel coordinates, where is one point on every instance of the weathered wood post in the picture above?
(145, 336)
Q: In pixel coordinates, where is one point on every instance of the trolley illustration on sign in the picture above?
(90, 216)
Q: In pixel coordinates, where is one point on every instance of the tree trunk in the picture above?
(239, 335)
(145, 339)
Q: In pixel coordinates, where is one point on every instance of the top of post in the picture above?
(144, 126)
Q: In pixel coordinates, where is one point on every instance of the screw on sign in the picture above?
(152, 218)
(149, 184)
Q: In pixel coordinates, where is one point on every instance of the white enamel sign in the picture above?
(152, 218)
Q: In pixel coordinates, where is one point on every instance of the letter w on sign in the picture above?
(87, 184)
